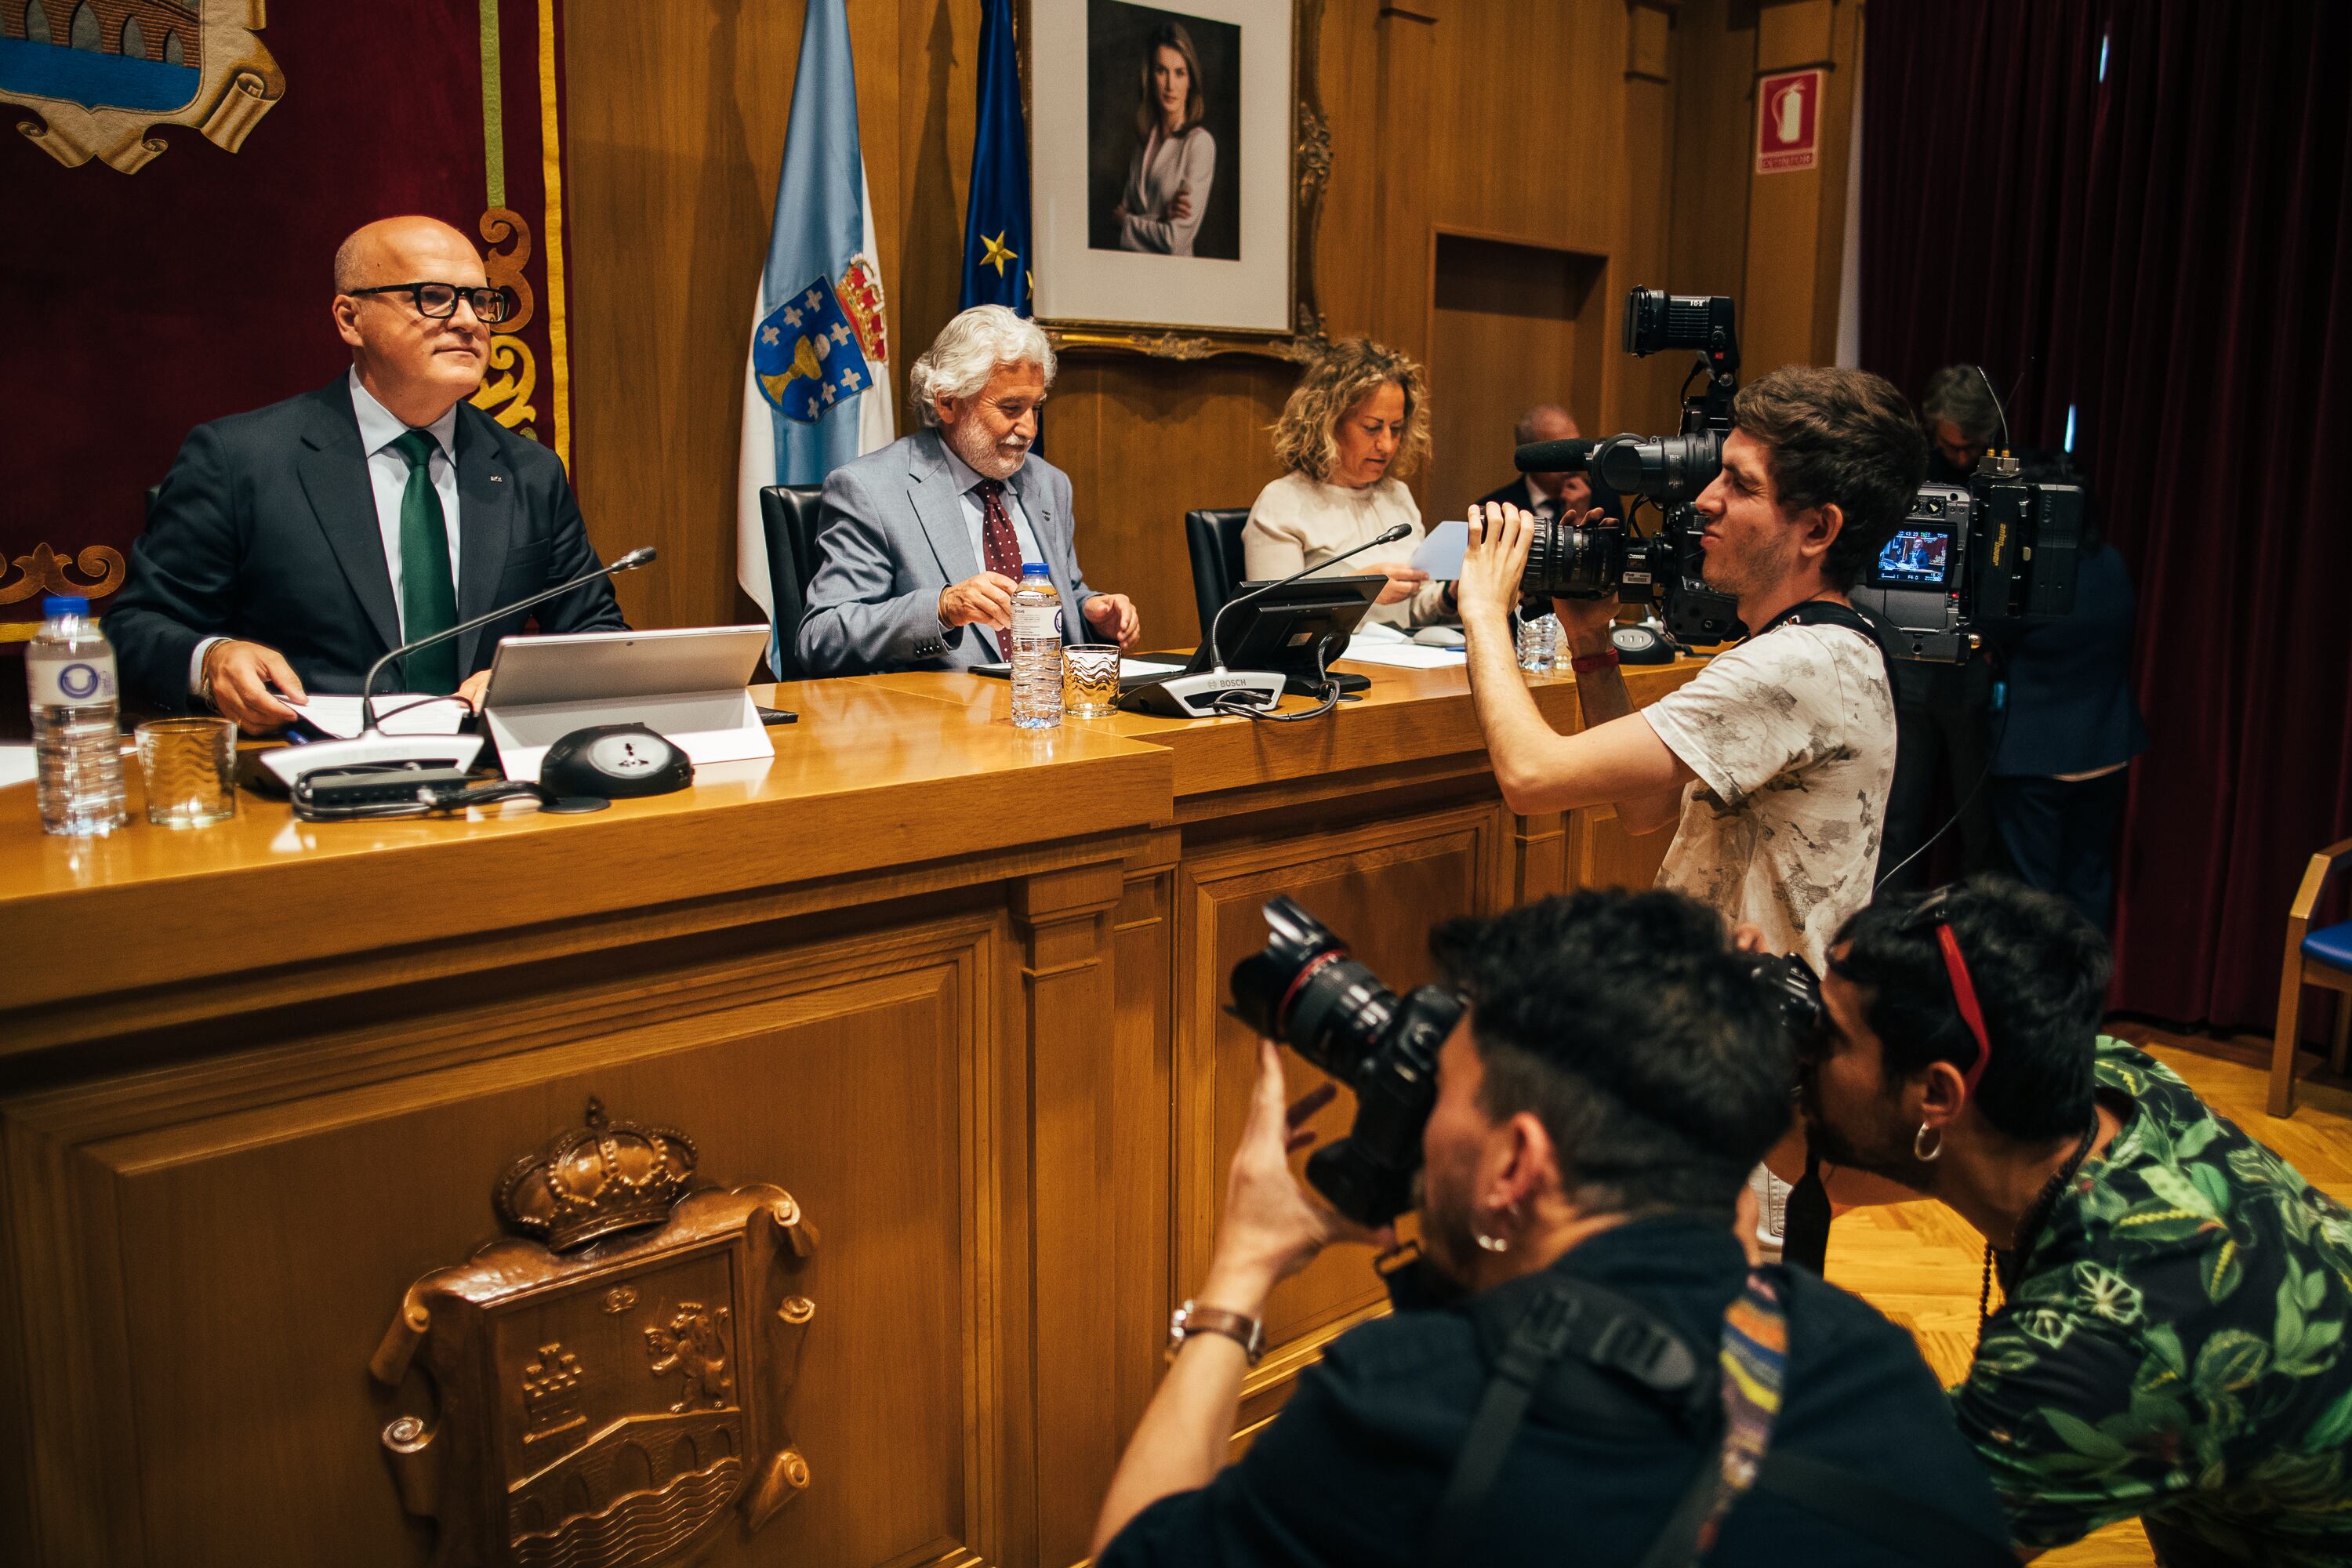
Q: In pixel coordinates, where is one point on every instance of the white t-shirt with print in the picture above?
(1792, 737)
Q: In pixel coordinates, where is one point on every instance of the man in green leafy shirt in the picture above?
(2170, 1344)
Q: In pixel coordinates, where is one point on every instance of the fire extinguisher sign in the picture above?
(1788, 122)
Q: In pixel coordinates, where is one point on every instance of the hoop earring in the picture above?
(1921, 1150)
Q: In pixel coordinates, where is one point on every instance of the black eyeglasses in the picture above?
(439, 300)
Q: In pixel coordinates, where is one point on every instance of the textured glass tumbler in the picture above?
(1090, 679)
(1540, 644)
(190, 769)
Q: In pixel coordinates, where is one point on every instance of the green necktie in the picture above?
(429, 601)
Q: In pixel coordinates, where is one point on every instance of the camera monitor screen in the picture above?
(1920, 556)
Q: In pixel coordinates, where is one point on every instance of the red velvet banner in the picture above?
(163, 266)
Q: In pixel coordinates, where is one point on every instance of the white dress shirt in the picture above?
(388, 479)
(975, 520)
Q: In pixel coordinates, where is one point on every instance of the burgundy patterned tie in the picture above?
(997, 540)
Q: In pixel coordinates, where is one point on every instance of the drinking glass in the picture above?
(1090, 679)
(189, 768)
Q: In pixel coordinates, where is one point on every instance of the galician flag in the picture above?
(816, 378)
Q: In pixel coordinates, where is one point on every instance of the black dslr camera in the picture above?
(1570, 561)
(2005, 547)
(1305, 990)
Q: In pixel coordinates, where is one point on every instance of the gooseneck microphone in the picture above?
(1217, 652)
(643, 555)
(372, 748)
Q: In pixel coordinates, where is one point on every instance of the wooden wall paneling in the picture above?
(1349, 237)
(235, 1248)
(1401, 210)
(1511, 325)
(1539, 857)
(1145, 441)
(1141, 1255)
(1601, 854)
(1064, 920)
(1380, 885)
(1715, 65)
(1645, 389)
(1797, 217)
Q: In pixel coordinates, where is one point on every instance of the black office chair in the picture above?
(788, 516)
(1213, 536)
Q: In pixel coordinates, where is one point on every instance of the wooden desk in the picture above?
(955, 986)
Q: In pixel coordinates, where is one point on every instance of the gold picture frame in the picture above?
(1310, 154)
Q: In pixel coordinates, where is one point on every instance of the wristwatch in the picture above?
(1194, 1318)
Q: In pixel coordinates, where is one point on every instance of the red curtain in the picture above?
(2140, 209)
(134, 307)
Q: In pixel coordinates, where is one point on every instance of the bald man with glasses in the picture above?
(291, 547)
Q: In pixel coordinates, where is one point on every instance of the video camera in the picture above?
(2005, 546)
(1303, 990)
(1571, 561)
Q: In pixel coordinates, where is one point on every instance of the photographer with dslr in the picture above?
(1582, 1367)
(2171, 1339)
(1777, 757)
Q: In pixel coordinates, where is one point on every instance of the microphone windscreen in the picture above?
(1554, 457)
(1399, 531)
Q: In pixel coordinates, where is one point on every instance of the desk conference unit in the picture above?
(926, 1014)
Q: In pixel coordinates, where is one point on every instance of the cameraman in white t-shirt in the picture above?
(1775, 760)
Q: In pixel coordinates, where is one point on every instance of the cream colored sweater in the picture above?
(1297, 523)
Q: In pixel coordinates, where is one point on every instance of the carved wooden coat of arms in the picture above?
(607, 1381)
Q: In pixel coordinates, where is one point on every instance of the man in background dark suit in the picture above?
(1552, 495)
(291, 547)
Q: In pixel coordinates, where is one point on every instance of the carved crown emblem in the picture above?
(593, 1180)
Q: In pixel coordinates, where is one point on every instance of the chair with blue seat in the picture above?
(789, 515)
(2321, 957)
(1213, 537)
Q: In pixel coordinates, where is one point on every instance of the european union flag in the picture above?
(806, 357)
(996, 221)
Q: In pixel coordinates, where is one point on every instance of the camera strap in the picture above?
(1586, 1354)
(1805, 1221)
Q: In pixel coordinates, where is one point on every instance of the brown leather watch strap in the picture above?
(1191, 1318)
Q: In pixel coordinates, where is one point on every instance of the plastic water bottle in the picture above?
(1540, 644)
(1036, 650)
(76, 741)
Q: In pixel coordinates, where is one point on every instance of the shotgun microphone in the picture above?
(1569, 457)
(372, 747)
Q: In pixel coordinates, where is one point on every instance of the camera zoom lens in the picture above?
(1568, 561)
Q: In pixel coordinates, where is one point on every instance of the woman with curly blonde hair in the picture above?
(1357, 422)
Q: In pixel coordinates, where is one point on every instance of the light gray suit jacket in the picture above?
(892, 534)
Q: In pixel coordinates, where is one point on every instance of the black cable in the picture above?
(1237, 704)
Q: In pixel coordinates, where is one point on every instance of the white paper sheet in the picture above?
(397, 713)
(1403, 654)
(17, 765)
(1441, 553)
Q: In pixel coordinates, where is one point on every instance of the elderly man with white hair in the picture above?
(921, 543)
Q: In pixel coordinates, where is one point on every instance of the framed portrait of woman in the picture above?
(1177, 155)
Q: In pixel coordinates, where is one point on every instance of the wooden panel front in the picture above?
(1379, 885)
(222, 1247)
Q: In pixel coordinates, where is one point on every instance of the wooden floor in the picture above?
(1921, 1266)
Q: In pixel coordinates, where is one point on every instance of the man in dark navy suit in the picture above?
(1553, 496)
(291, 547)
